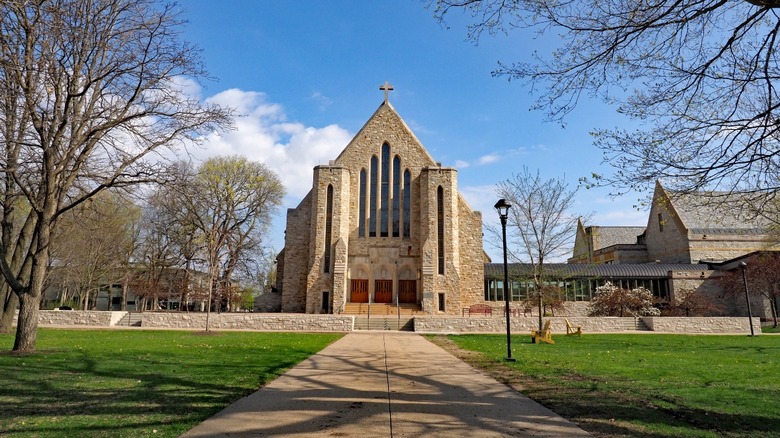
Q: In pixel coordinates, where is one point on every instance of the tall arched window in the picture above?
(328, 229)
(372, 189)
(397, 196)
(385, 195)
(407, 203)
(440, 222)
(362, 205)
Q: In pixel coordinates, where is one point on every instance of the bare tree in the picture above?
(91, 244)
(539, 224)
(91, 92)
(699, 75)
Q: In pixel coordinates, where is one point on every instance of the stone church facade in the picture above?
(383, 223)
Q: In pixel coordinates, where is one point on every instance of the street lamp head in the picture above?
(502, 207)
(742, 264)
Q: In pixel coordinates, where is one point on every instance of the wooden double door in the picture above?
(383, 291)
(359, 291)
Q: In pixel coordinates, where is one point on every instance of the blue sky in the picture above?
(305, 77)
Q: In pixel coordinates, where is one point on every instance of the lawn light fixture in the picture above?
(743, 265)
(502, 207)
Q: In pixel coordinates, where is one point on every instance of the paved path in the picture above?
(385, 384)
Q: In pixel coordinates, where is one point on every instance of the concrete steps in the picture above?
(132, 319)
(404, 323)
(635, 324)
(381, 309)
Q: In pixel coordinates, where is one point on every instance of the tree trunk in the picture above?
(10, 302)
(125, 285)
(27, 324)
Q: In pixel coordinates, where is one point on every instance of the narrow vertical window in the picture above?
(372, 188)
(385, 195)
(660, 222)
(328, 228)
(407, 203)
(362, 205)
(397, 196)
(440, 222)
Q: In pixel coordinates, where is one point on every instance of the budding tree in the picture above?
(540, 224)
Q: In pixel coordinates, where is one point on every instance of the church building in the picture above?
(383, 223)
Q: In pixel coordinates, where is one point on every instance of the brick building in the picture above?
(383, 223)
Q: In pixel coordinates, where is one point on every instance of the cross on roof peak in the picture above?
(386, 87)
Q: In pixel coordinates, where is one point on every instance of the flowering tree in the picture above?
(689, 302)
(611, 300)
(762, 274)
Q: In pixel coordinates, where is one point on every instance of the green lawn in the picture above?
(645, 385)
(132, 383)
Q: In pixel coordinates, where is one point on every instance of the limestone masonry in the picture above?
(383, 223)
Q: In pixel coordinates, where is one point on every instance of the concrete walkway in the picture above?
(385, 384)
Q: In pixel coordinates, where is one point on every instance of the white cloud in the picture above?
(262, 133)
(323, 102)
(460, 164)
(489, 158)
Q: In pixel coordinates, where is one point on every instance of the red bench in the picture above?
(478, 309)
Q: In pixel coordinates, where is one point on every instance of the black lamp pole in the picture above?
(743, 265)
(503, 211)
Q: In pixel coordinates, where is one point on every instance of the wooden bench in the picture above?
(571, 331)
(478, 309)
(543, 335)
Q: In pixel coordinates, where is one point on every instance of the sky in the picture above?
(304, 77)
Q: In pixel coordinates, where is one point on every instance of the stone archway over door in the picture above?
(358, 291)
(383, 291)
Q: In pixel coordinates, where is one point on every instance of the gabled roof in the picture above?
(713, 212)
(614, 235)
(385, 109)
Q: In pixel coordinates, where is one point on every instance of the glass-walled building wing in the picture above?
(579, 282)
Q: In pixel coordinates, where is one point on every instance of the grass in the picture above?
(770, 329)
(643, 385)
(134, 383)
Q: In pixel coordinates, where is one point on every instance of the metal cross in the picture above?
(386, 88)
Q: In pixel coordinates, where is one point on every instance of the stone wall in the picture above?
(520, 325)
(79, 317)
(668, 324)
(250, 321)
(422, 324)
(523, 325)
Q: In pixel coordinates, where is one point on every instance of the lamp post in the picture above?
(503, 210)
(743, 265)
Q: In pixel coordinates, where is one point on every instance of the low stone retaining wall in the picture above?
(422, 324)
(702, 324)
(272, 322)
(79, 317)
(729, 325)
(436, 324)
